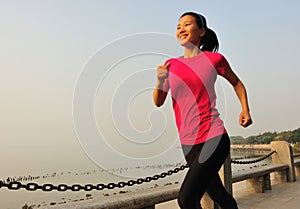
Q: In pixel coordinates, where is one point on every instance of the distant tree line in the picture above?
(290, 136)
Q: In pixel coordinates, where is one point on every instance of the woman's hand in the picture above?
(245, 119)
(162, 72)
(162, 85)
(240, 90)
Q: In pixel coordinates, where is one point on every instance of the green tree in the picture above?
(267, 137)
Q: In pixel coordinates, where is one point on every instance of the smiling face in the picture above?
(188, 32)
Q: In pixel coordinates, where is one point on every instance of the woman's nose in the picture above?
(182, 30)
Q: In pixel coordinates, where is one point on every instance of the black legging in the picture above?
(205, 160)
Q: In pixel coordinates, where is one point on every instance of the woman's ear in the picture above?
(202, 32)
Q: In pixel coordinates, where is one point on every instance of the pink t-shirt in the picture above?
(191, 82)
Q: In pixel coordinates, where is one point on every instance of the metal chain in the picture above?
(88, 187)
(14, 185)
(296, 155)
(252, 161)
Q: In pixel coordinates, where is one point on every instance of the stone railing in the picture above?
(284, 167)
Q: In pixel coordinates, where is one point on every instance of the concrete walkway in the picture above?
(282, 196)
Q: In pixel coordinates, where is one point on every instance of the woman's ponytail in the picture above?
(209, 41)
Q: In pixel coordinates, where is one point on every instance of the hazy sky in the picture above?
(47, 45)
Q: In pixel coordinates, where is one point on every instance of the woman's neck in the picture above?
(191, 52)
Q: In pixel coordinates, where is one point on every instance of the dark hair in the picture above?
(209, 42)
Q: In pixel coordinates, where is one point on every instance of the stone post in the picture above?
(283, 155)
(206, 202)
(297, 169)
(226, 174)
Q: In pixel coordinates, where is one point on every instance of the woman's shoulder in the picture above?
(216, 58)
(214, 55)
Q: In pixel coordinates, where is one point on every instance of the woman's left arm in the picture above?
(240, 90)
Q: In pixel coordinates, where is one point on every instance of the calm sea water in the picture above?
(91, 175)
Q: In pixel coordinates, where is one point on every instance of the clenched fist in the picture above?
(162, 72)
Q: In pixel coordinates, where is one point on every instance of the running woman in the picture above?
(191, 79)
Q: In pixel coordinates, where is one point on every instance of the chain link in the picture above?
(296, 155)
(253, 161)
(88, 187)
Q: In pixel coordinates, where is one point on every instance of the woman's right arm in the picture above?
(162, 85)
